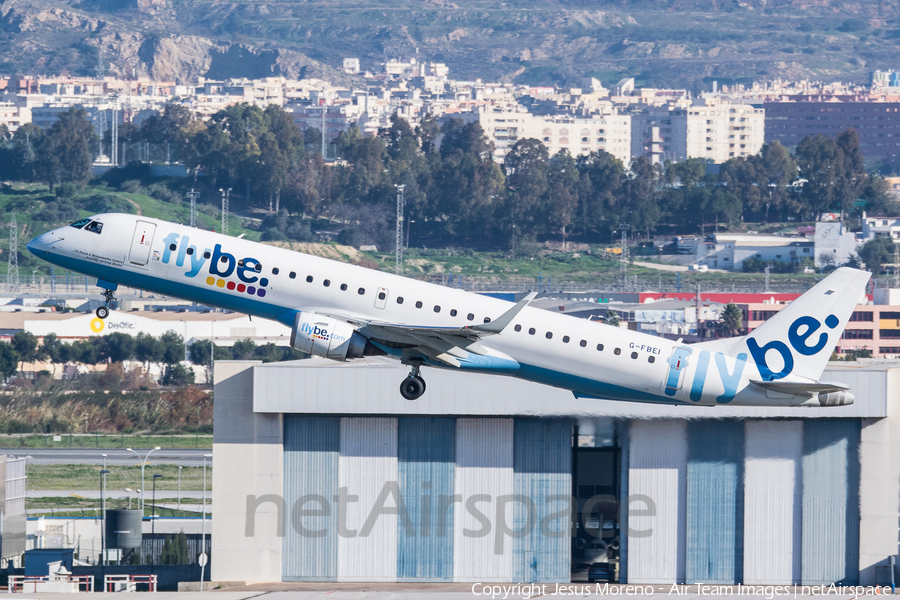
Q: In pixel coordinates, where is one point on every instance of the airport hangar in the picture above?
(804, 495)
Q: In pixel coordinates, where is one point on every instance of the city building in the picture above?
(729, 250)
(332, 476)
(876, 121)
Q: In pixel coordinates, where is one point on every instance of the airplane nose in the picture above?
(40, 244)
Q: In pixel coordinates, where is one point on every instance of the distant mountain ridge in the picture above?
(673, 43)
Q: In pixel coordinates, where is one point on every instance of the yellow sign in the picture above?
(97, 325)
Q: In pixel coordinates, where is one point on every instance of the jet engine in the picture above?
(327, 337)
(841, 398)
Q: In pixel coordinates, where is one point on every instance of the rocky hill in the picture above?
(660, 42)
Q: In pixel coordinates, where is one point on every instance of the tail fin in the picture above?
(805, 333)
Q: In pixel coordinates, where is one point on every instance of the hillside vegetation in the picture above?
(685, 43)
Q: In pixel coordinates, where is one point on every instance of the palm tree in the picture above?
(732, 320)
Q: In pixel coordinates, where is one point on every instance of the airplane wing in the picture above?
(445, 344)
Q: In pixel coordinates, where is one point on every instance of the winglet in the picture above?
(500, 323)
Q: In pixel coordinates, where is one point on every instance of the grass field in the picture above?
(87, 477)
(105, 441)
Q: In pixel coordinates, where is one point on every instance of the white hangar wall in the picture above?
(752, 496)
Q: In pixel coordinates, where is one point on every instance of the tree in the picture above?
(65, 152)
(118, 347)
(821, 163)
(243, 349)
(9, 360)
(148, 349)
(178, 375)
(612, 318)
(732, 320)
(526, 167)
(26, 346)
(172, 348)
(53, 350)
(175, 550)
(876, 252)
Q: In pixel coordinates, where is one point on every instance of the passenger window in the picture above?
(258, 268)
(223, 259)
(240, 262)
(617, 351)
(518, 328)
(634, 355)
(419, 304)
(80, 223)
(274, 270)
(190, 251)
(382, 295)
(309, 279)
(399, 299)
(361, 291)
(453, 312)
(343, 287)
(172, 247)
(651, 359)
(206, 254)
(437, 309)
(293, 275)
(95, 227)
(600, 347)
(549, 335)
(583, 343)
(565, 339)
(531, 331)
(487, 319)
(326, 283)
(470, 317)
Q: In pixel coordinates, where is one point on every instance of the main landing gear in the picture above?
(413, 386)
(103, 311)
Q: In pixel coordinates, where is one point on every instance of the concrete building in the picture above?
(729, 251)
(332, 476)
(834, 245)
(707, 128)
(877, 122)
(609, 131)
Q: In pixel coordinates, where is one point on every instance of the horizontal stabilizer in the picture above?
(797, 388)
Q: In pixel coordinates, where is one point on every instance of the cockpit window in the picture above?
(94, 227)
(79, 223)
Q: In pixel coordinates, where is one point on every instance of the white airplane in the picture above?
(341, 311)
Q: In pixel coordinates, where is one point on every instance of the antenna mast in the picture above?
(12, 266)
(225, 198)
(193, 195)
(399, 244)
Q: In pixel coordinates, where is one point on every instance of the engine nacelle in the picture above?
(841, 398)
(326, 337)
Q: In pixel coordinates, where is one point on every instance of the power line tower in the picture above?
(401, 205)
(193, 195)
(226, 194)
(12, 265)
(623, 227)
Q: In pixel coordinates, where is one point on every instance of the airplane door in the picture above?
(381, 297)
(140, 243)
(678, 364)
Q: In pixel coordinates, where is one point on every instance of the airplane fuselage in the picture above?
(590, 358)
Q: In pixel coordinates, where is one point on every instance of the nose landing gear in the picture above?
(103, 311)
(413, 386)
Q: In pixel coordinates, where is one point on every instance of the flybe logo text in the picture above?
(802, 338)
(221, 264)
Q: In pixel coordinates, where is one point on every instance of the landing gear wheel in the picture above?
(412, 388)
(422, 381)
(102, 312)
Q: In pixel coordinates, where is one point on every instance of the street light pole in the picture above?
(153, 521)
(103, 475)
(179, 486)
(143, 464)
(203, 555)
